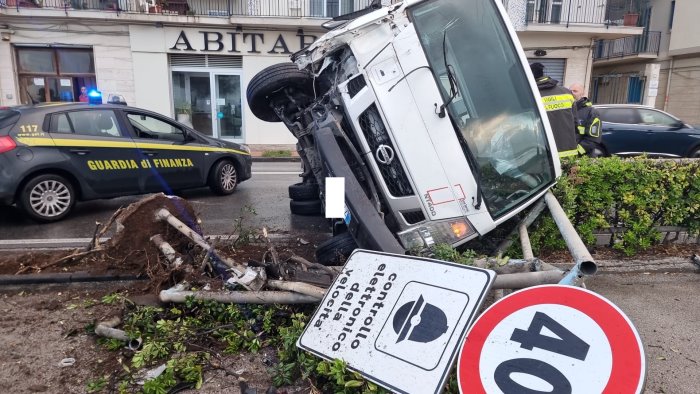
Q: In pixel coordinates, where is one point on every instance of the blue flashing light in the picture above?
(95, 97)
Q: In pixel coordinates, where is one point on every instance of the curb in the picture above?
(275, 159)
(635, 266)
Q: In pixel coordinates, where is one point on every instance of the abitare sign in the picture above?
(397, 320)
(552, 339)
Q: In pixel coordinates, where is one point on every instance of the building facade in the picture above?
(193, 59)
(660, 68)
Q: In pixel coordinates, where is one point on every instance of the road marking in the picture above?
(276, 172)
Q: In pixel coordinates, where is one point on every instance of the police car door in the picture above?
(173, 163)
(98, 149)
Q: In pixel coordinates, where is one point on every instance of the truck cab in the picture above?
(429, 111)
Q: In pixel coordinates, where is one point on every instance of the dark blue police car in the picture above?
(56, 153)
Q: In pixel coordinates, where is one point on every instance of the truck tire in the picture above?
(271, 80)
(336, 249)
(303, 191)
(306, 208)
(47, 198)
(223, 178)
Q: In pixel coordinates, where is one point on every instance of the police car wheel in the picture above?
(47, 198)
(223, 178)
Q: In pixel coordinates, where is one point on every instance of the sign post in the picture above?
(552, 339)
(397, 320)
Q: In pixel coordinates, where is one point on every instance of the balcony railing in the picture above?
(647, 43)
(596, 12)
(216, 8)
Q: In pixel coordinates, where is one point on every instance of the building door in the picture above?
(207, 94)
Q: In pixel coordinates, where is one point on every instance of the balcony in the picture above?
(209, 8)
(612, 18)
(627, 49)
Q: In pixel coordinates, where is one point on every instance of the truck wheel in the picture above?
(272, 80)
(336, 249)
(303, 191)
(306, 208)
(47, 198)
(223, 178)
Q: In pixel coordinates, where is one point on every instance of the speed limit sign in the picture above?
(552, 339)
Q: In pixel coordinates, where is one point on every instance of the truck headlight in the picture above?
(446, 231)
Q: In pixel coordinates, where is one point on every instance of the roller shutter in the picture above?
(554, 68)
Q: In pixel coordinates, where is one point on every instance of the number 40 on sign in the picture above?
(552, 339)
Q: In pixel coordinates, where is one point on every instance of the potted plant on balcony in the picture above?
(155, 8)
(632, 16)
(183, 113)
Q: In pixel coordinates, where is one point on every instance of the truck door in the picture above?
(98, 150)
(172, 161)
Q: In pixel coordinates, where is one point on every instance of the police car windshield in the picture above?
(494, 111)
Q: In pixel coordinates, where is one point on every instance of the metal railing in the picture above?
(595, 12)
(647, 43)
(216, 8)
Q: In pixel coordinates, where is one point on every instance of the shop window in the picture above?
(55, 74)
(331, 8)
(36, 61)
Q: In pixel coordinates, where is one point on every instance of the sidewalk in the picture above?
(273, 152)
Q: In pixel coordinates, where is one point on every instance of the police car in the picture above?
(56, 153)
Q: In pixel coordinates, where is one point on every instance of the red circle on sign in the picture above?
(625, 345)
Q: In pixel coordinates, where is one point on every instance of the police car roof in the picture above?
(56, 107)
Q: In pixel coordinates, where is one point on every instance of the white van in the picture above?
(430, 112)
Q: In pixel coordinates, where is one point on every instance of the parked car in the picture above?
(630, 130)
(54, 154)
(429, 112)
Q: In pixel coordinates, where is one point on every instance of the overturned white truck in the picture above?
(428, 109)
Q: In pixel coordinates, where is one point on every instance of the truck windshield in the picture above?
(490, 103)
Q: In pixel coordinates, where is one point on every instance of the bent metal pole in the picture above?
(585, 265)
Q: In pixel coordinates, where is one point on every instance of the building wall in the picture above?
(660, 17)
(8, 90)
(258, 131)
(684, 92)
(111, 52)
(575, 49)
(685, 38)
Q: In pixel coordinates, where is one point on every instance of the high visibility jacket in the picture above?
(559, 104)
(587, 121)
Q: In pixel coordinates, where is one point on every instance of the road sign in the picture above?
(397, 320)
(552, 339)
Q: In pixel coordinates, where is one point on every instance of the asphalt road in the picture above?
(265, 193)
(664, 309)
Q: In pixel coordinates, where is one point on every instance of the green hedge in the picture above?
(630, 195)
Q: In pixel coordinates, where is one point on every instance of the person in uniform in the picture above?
(587, 123)
(558, 101)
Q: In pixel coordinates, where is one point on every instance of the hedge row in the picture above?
(632, 196)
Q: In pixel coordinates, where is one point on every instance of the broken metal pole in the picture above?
(165, 215)
(298, 287)
(106, 329)
(527, 279)
(168, 251)
(525, 244)
(240, 297)
(585, 265)
(527, 221)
